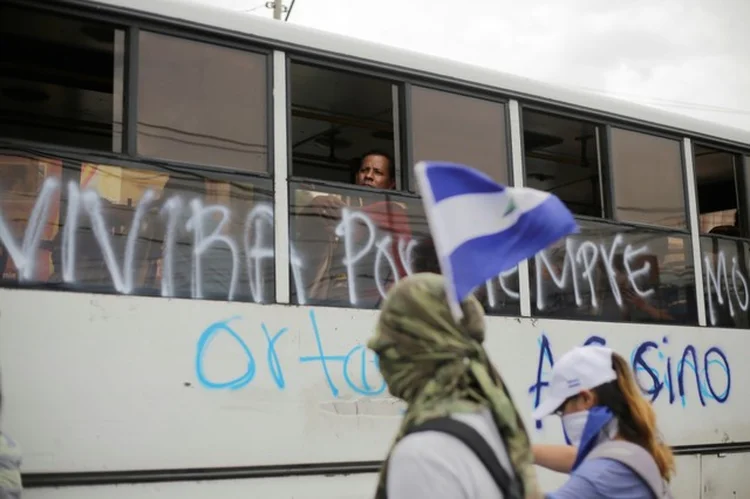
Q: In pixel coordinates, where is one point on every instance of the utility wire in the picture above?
(253, 9)
(289, 11)
(627, 95)
(666, 102)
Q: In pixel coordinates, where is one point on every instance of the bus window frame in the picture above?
(132, 24)
(683, 170)
(399, 138)
(492, 97)
(70, 155)
(602, 156)
(741, 170)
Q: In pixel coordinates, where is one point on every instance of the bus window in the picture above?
(725, 260)
(62, 80)
(648, 179)
(337, 119)
(202, 104)
(616, 273)
(726, 271)
(460, 129)
(348, 243)
(135, 231)
(562, 157)
(610, 271)
(446, 126)
(717, 191)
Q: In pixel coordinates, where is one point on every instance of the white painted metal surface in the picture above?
(694, 226)
(519, 180)
(280, 177)
(118, 382)
(685, 485)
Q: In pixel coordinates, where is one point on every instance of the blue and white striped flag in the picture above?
(481, 228)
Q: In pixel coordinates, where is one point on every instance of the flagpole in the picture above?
(428, 201)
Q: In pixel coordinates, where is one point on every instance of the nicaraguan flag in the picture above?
(481, 228)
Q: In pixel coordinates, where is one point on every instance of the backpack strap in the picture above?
(638, 460)
(474, 441)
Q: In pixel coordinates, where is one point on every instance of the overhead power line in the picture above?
(664, 102)
(289, 12)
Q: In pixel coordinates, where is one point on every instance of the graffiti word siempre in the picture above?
(581, 261)
(357, 359)
(663, 374)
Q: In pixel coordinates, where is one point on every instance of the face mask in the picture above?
(573, 425)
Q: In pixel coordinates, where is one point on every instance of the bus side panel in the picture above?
(105, 383)
(686, 485)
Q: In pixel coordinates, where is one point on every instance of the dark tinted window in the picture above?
(562, 157)
(460, 129)
(717, 191)
(135, 231)
(337, 117)
(202, 103)
(648, 179)
(60, 80)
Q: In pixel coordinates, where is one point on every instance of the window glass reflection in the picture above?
(725, 281)
(616, 274)
(106, 228)
(648, 179)
(201, 103)
(460, 129)
(350, 246)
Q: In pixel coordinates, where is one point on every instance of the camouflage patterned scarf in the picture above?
(11, 484)
(439, 367)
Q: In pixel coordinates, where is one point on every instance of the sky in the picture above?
(685, 56)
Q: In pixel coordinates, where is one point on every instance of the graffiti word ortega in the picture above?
(354, 368)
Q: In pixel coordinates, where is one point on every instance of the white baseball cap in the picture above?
(583, 368)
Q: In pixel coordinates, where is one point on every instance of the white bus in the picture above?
(191, 265)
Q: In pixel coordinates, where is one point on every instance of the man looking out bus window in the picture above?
(377, 170)
(325, 273)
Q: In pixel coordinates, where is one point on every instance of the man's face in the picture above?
(375, 172)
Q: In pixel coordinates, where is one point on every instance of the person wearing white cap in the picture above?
(614, 450)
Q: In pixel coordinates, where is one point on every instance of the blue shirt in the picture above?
(605, 479)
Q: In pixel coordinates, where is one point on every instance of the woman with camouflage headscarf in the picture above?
(440, 368)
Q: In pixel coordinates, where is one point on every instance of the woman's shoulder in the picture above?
(613, 478)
